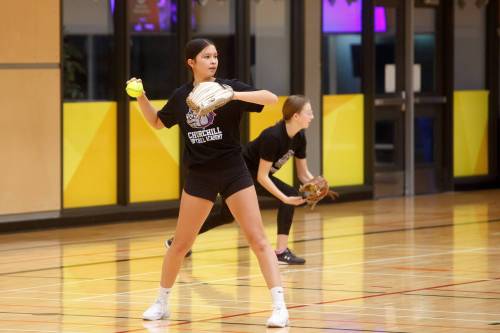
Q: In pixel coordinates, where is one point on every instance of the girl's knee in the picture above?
(180, 248)
(258, 243)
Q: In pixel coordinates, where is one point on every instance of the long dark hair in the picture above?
(195, 46)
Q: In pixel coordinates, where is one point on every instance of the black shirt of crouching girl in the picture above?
(212, 140)
(274, 145)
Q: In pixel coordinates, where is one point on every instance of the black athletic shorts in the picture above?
(207, 184)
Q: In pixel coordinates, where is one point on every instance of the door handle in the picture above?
(431, 100)
(388, 101)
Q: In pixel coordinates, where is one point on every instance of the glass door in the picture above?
(389, 101)
(430, 100)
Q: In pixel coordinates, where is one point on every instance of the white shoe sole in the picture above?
(278, 326)
(165, 316)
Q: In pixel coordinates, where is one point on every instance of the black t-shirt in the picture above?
(212, 140)
(274, 145)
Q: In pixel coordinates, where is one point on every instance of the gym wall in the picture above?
(30, 165)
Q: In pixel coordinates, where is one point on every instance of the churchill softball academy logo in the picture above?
(205, 135)
(199, 121)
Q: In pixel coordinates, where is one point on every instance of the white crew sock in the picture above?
(163, 295)
(278, 297)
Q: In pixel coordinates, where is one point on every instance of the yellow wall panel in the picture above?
(89, 154)
(269, 116)
(470, 133)
(154, 159)
(343, 139)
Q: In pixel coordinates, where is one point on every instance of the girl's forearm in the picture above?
(262, 97)
(266, 182)
(149, 111)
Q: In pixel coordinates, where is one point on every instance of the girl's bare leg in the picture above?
(245, 208)
(192, 213)
(281, 242)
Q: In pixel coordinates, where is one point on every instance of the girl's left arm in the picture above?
(262, 97)
(303, 172)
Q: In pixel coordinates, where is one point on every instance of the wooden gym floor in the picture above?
(420, 264)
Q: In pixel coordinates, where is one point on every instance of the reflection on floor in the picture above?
(420, 264)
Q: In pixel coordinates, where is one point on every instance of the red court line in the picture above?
(393, 293)
(469, 291)
(437, 269)
(328, 302)
(402, 324)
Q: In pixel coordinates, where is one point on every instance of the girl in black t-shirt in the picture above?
(214, 165)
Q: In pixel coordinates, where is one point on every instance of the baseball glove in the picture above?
(208, 96)
(315, 190)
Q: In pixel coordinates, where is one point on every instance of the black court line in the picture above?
(215, 284)
(246, 246)
(184, 321)
(48, 277)
(81, 315)
(256, 286)
(154, 235)
(78, 265)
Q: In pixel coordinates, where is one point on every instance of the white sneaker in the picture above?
(156, 311)
(279, 318)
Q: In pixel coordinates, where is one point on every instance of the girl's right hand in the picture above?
(294, 201)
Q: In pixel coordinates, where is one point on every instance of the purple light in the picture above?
(341, 17)
(380, 19)
(112, 6)
(149, 26)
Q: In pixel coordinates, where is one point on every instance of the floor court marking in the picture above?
(317, 269)
(300, 310)
(336, 301)
(293, 306)
(232, 264)
(296, 241)
(462, 277)
(324, 220)
(21, 330)
(405, 324)
(328, 302)
(236, 263)
(468, 291)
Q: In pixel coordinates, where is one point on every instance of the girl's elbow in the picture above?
(268, 97)
(273, 98)
(157, 124)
